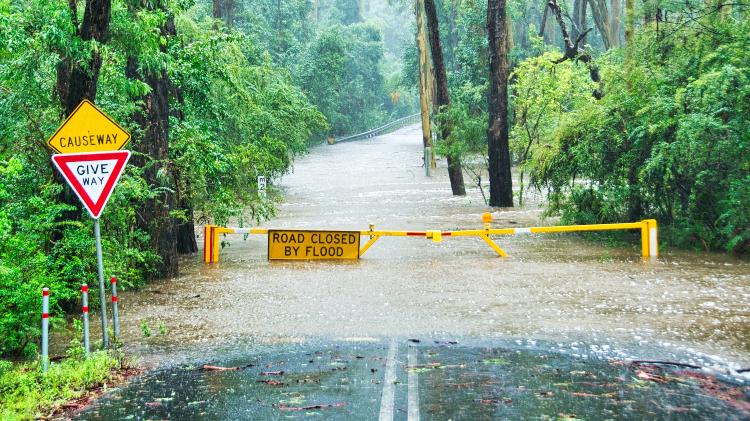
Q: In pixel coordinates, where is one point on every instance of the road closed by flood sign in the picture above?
(312, 245)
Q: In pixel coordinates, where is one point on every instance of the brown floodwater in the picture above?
(558, 289)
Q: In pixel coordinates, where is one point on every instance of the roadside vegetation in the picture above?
(27, 393)
(625, 111)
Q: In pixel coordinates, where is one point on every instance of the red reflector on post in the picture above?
(45, 315)
(114, 299)
(85, 309)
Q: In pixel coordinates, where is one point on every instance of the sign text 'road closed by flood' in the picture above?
(312, 245)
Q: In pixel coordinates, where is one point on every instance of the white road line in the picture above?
(413, 397)
(386, 402)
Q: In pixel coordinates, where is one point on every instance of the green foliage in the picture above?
(243, 117)
(339, 71)
(26, 393)
(669, 140)
(145, 328)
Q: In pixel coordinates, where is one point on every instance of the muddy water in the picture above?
(559, 289)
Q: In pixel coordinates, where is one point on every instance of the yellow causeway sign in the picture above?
(88, 129)
(312, 245)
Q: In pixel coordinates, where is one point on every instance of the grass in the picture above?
(27, 393)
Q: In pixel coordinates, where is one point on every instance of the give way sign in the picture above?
(92, 176)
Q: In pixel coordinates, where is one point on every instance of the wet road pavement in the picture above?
(579, 298)
(408, 380)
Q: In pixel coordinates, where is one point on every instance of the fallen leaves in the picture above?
(490, 401)
(283, 407)
(651, 377)
(272, 382)
(217, 368)
(594, 395)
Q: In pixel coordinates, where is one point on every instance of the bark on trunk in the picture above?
(629, 20)
(153, 157)
(501, 184)
(443, 99)
(424, 79)
(579, 20)
(224, 10)
(186, 242)
(543, 22)
(615, 22)
(601, 19)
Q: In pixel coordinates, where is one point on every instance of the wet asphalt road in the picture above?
(558, 307)
(409, 380)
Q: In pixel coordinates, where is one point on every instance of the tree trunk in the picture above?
(501, 184)
(314, 11)
(186, 242)
(424, 88)
(543, 23)
(224, 10)
(615, 22)
(629, 20)
(601, 19)
(579, 20)
(443, 99)
(153, 157)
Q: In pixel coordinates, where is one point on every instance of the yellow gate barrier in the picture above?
(648, 228)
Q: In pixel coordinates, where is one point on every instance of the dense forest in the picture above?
(612, 111)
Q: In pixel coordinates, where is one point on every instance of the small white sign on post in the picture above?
(262, 185)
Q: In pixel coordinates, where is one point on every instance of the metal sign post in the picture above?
(100, 268)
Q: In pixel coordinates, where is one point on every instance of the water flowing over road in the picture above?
(559, 295)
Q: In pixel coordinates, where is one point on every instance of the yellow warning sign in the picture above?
(88, 129)
(312, 245)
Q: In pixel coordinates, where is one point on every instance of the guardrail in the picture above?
(387, 128)
(648, 228)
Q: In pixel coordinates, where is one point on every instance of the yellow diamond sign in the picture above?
(88, 129)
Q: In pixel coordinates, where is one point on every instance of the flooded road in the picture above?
(555, 287)
(568, 295)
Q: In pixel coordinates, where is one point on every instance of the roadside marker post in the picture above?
(85, 308)
(262, 186)
(115, 313)
(89, 158)
(45, 329)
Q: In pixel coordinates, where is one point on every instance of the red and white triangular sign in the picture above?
(92, 176)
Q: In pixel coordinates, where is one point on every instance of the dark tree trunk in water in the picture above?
(443, 99)
(186, 243)
(76, 81)
(501, 183)
(153, 157)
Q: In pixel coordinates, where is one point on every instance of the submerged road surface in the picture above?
(418, 329)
